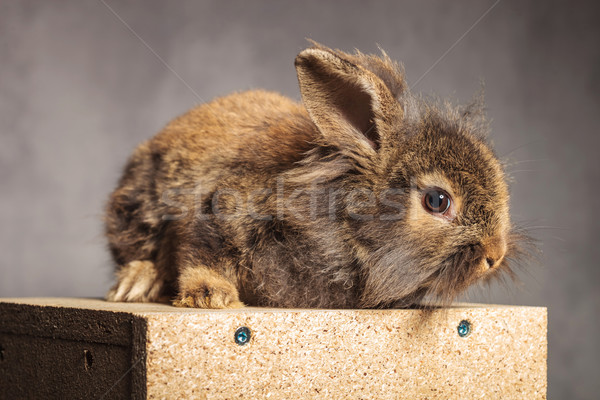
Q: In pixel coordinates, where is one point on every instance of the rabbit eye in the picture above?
(436, 201)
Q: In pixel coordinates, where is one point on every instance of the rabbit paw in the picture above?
(138, 281)
(204, 288)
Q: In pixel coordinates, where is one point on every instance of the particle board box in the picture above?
(88, 348)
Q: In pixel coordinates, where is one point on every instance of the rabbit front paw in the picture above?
(204, 288)
(138, 281)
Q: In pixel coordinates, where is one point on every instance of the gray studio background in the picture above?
(78, 91)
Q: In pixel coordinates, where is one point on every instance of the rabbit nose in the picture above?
(495, 249)
(490, 262)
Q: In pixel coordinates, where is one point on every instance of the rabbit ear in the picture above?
(349, 104)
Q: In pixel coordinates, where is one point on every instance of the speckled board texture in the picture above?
(359, 354)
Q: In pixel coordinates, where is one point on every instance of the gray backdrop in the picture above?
(79, 89)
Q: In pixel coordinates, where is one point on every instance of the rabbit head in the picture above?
(429, 214)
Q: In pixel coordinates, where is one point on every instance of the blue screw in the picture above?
(242, 335)
(464, 328)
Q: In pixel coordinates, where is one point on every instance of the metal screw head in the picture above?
(464, 328)
(242, 335)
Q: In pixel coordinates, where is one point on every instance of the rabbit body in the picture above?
(256, 199)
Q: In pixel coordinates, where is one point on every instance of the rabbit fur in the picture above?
(255, 199)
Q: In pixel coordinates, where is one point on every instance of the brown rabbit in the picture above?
(363, 196)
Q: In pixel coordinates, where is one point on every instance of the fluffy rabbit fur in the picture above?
(256, 199)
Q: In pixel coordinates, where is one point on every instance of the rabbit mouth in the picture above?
(470, 266)
(423, 283)
(456, 274)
